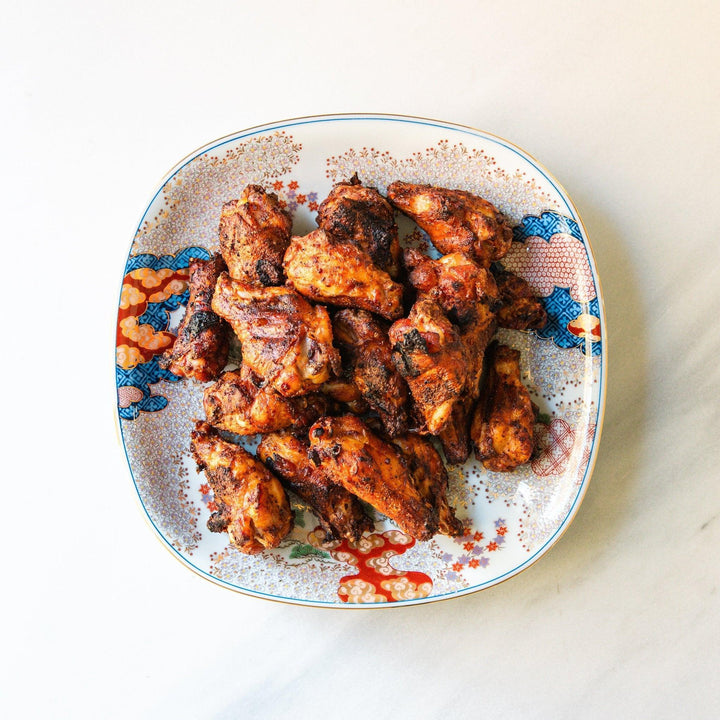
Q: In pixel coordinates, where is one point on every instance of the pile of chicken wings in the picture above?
(356, 354)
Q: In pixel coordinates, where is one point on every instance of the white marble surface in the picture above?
(620, 100)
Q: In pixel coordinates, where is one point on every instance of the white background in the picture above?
(620, 100)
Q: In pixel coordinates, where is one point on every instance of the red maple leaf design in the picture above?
(492, 546)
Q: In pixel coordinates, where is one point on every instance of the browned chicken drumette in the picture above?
(254, 234)
(503, 425)
(429, 354)
(360, 215)
(285, 340)
(201, 348)
(469, 296)
(520, 308)
(364, 344)
(340, 513)
(253, 507)
(430, 478)
(368, 467)
(455, 220)
(324, 269)
(242, 403)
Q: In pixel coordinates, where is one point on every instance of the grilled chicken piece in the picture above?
(253, 507)
(363, 341)
(503, 425)
(242, 403)
(340, 513)
(469, 296)
(201, 348)
(346, 449)
(327, 270)
(430, 478)
(429, 354)
(455, 220)
(360, 215)
(520, 308)
(344, 392)
(254, 234)
(285, 340)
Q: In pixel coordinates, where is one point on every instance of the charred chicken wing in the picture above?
(520, 308)
(455, 220)
(430, 478)
(242, 403)
(254, 234)
(364, 343)
(346, 449)
(360, 215)
(340, 513)
(324, 269)
(253, 507)
(503, 425)
(285, 340)
(201, 348)
(429, 354)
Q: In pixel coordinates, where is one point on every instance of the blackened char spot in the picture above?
(268, 273)
(200, 321)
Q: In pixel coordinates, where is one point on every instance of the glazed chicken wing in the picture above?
(285, 340)
(360, 215)
(253, 507)
(327, 270)
(430, 478)
(520, 308)
(455, 220)
(363, 341)
(340, 513)
(201, 348)
(242, 403)
(503, 425)
(254, 234)
(346, 449)
(429, 354)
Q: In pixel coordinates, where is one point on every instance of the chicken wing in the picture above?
(284, 339)
(364, 343)
(242, 403)
(503, 425)
(253, 507)
(429, 354)
(520, 308)
(455, 220)
(340, 513)
(344, 393)
(327, 270)
(362, 216)
(201, 348)
(469, 296)
(346, 449)
(430, 479)
(254, 234)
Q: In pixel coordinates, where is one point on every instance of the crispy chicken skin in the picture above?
(455, 220)
(253, 507)
(344, 395)
(284, 339)
(362, 216)
(327, 270)
(340, 513)
(254, 234)
(469, 296)
(346, 449)
(520, 308)
(430, 478)
(503, 425)
(429, 354)
(242, 403)
(201, 348)
(364, 343)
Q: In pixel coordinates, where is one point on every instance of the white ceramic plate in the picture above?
(512, 519)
